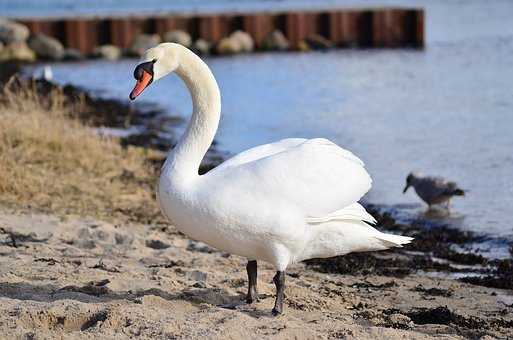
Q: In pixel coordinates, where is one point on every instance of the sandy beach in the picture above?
(81, 278)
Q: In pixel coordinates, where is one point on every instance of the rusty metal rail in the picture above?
(387, 27)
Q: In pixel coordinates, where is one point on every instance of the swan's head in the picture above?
(156, 63)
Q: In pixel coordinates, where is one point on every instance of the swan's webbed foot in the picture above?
(252, 295)
(279, 281)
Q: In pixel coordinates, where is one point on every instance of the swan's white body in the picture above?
(282, 202)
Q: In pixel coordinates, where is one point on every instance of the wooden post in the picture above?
(212, 28)
(122, 32)
(81, 35)
(37, 26)
(419, 28)
(258, 26)
(388, 27)
(344, 28)
(296, 28)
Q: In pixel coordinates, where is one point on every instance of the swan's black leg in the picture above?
(251, 268)
(279, 281)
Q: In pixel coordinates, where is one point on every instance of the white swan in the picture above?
(282, 202)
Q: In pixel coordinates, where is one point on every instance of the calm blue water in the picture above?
(447, 110)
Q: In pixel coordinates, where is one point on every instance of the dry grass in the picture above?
(52, 162)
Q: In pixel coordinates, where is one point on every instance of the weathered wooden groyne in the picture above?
(376, 27)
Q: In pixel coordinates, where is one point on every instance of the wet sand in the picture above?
(82, 278)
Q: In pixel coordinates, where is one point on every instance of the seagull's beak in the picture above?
(142, 83)
(406, 188)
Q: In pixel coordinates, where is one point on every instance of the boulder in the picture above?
(46, 47)
(12, 32)
(237, 42)
(72, 54)
(244, 40)
(228, 46)
(202, 46)
(318, 42)
(17, 51)
(109, 52)
(276, 41)
(179, 37)
(143, 42)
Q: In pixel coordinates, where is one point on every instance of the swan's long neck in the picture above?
(184, 160)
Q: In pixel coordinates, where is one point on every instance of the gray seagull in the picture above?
(433, 190)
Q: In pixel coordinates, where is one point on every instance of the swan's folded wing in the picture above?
(353, 212)
(316, 176)
(259, 152)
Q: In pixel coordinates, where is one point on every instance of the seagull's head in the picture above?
(409, 181)
(157, 62)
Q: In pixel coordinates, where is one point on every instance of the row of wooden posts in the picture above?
(388, 27)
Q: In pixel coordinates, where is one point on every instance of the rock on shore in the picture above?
(46, 47)
(12, 32)
(17, 51)
(179, 37)
(143, 42)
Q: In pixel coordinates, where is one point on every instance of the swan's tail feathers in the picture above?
(393, 241)
(346, 231)
(353, 212)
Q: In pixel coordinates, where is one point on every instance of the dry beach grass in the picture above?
(50, 161)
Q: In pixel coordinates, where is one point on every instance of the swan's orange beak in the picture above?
(142, 83)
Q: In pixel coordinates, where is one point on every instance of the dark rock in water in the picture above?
(276, 41)
(318, 42)
(46, 47)
(71, 54)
